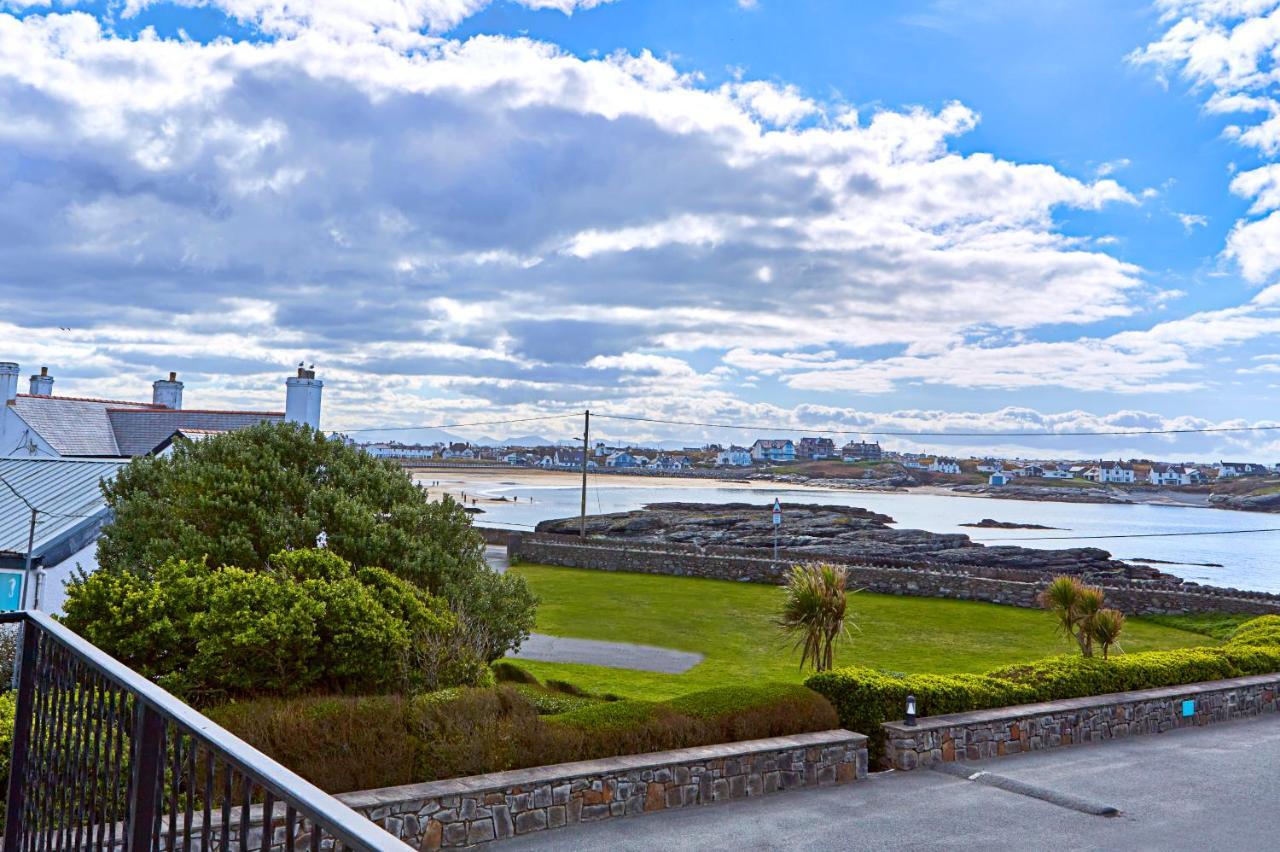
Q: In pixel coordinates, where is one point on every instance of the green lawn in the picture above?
(731, 624)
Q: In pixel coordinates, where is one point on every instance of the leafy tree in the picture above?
(310, 622)
(813, 611)
(235, 499)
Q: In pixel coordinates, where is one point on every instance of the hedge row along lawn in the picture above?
(731, 624)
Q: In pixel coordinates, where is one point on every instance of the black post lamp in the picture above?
(911, 710)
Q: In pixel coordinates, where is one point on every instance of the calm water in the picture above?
(1250, 561)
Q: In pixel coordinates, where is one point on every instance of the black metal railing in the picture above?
(104, 760)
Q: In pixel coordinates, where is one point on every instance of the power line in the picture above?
(904, 434)
(37, 509)
(1129, 535)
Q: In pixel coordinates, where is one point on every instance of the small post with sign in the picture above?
(777, 525)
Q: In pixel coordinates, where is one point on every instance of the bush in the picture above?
(309, 623)
(339, 743)
(508, 672)
(239, 498)
(865, 698)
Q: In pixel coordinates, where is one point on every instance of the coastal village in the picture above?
(800, 455)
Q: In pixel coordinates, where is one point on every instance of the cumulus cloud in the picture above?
(1228, 49)
(453, 228)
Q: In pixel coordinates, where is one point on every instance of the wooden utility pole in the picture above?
(586, 437)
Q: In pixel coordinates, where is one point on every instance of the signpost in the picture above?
(12, 583)
(777, 525)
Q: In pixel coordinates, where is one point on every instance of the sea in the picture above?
(1195, 541)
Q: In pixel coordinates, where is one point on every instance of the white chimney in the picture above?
(302, 398)
(42, 385)
(9, 380)
(167, 392)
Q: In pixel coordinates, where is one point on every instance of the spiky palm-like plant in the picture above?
(813, 611)
(1105, 627)
(1077, 607)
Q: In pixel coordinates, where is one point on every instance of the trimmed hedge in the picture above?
(350, 743)
(866, 698)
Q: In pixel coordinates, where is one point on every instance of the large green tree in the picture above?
(235, 499)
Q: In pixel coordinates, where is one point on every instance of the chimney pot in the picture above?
(167, 392)
(42, 384)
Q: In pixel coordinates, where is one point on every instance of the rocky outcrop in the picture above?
(838, 532)
(1055, 494)
(1247, 502)
(989, 524)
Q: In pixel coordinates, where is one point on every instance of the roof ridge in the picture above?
(145, 405)
(164, 410)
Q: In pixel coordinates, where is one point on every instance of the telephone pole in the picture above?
(586, 437)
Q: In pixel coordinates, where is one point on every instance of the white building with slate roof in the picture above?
(41, 424)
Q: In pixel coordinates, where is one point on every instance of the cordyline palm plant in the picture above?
(1081, 614)
(813, 611)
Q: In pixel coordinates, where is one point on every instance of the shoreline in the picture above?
(480, 484)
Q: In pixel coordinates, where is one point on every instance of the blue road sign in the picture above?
(10, 590)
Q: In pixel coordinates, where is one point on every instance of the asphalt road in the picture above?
(1199, 789)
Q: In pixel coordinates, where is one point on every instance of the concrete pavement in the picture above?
(1216, 787)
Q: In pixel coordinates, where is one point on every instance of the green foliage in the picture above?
(865, 698)
(348, 743)
(1217, 625)
(309, 622)
(508, 672)
(238, 498)
(813, 611)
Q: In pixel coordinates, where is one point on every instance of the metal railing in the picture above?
(104, 760)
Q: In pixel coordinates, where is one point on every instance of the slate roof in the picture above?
(139, 431)
(74, 426)
(67, 493)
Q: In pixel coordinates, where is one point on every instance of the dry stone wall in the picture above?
(993, 585)
(465, 812)
(985, 734)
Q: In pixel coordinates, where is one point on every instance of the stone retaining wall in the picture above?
(471, 811)
(1078, 721)
(919, 579)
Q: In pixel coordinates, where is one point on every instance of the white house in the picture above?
(990, 466)
(1112, 473)
(773, 450)
(945, 465)
(621, 459)
(41, 424)
(393, 449)
(1053, 471)
(734, 457)
(1228, 469)
(458, 451)
(672, 463)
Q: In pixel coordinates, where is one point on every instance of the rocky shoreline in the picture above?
(839, 532)
(989, 524)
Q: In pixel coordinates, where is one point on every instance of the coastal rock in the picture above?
(1247, 502)
(1056, 494)
(989, 524)
(839, 532)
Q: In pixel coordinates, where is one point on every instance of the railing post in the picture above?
(16, 800)
(144, 787)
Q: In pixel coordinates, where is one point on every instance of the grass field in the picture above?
(731, 624)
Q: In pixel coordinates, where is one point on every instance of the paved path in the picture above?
(593, 652)
(1195, 789)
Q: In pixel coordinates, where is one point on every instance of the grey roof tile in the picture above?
(66, 491)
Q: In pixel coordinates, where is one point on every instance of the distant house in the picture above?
(773, 450)
(1228, 469)
(945, 465)
(622, 459)
(1117, 473)
(459, 451)
(1030, 470)
(998, 478)
(1054, 471)
(734, 457)
(861, 451)
(915, 464)
(396, 450)
(664, 462)
(518, 458)
(816, 448)
(1172, 474)
(990, 466)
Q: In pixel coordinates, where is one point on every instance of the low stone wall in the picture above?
(471, 811)
(920, 579)
(1055, 724)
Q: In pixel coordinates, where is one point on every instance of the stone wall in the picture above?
(1055, 724)
(471, 811)
(897, 577)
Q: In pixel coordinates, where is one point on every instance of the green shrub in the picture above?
(309, 623)
(469, 731)
(549, 702)
(505, 671)
(244, 497)
(865, 698)
(755, 712)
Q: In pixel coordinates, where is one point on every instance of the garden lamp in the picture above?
(911, 710)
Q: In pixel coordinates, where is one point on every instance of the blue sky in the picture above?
(1006, 215)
